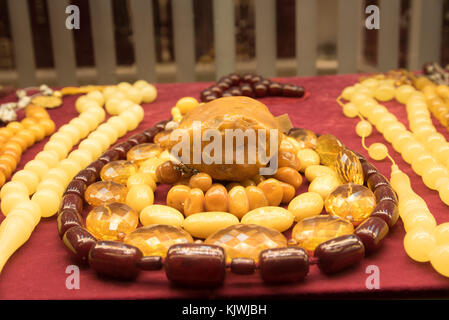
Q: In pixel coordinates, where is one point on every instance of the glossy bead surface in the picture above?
(79, 241)
(419, 243)
(139, 197)
(310, 232)
(67, 219)
(118, 171)
(216, 198)
(112, 221)
(272, 190)
(243, 266)
(439, 258)
(305, 205)
(154, 240)
(142, 152)
(371, 232)
(115, 259)
(272, 217)
(324, 185)
(87, 176)
(103, 192)
(283, 265)
(203, 224)
(351, 202)
(328, 148)
(339, 253)
(306, 138)
(376, 180)
(160, 214)
(195, 265)
(77, 187)
(72, 201)
(246, 241)
(387, 211)
(348, 167)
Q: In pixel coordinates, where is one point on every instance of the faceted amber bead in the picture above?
(246, 240)
(142, 152)
(351, 202)
(155, 240)
(328, 148)
(306, 138)
(112, 221)
(103, 192)
(118, 171)
(348, 167)
(310, 232)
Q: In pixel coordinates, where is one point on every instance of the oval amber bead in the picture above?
(155, 240)
(246, 240)
(142, 152)
(348, 167)
(103, 192)
(112, 221)
(328, 148)
(203, 224)
(351, 202)
(272, 217)
(306, 138)
(118, 171)
(310, 232)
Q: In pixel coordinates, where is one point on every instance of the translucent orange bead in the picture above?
(328, 147)
(103, 192)
(139, 197)
(142, 152)
(112, 221)
(118, 171)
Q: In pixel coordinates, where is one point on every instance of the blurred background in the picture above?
(200, 40)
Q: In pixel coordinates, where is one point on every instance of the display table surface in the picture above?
(38, 269)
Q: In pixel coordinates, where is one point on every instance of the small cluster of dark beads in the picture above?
(437, 73)
(249, 85)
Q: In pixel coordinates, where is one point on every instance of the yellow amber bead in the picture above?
(112, 105)
(118, 124)
(377, 151)
(92, 122)
(272, 217)
(131, 121)
(48, 200)
(246, 240)
(50, 158)
(441, 233)
(31, 208)
(140, 178)
(439, 258)
(350, 110)
(444, 194)
(203, 224)
(70, 166)
(160, 214)
(29, 178)
(305, 138)
(138, 111)
(94, 147)
(363, 128)
(39, 167)
(351, 202)
(347, 92)
(186, 104)
(17, 187)
(139, 197)
(101, 137)
(103, 192)
(317, 170)
(83, 157)
(112, 221)
(109, 131)
(59, 147)
(149, 93)
(96, 96)
(432, 173)
(384, 92)
(118, 171)
(72, 131)
(328, 147)
(307, 157)
(419, 219)
(411, 151)
(52, 184)
(401, 140)
(58, 174)
(403, 93)
(11, 200)
(155, 240)
(149, 167)
(305, 205)
(142, 152)
(348, 167)
(310, 232)
(63, 137)
(421, 162)
(418, 243)
(324, 185)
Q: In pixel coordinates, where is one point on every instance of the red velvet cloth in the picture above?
(38, 269)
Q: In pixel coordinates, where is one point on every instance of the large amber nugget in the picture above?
(328, 147)
(246, 240)
(310, 232)
(232, 113)
(103, 192)
(348, 167)
(351, 202)
(118, 171)
(142, 152)
(112, 221)
(154, 240)
(306, 138)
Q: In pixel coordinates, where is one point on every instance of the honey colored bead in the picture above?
(9, 160)
(256, 197)
(139, 197)
(403, 93)
(348, 167)
(98, 113)
(168, 172)
(384, 93)
(411, 150)
(311, 232)
(328, 147)
(58, 174)
(288, 159)
(140, 178)
(351, 202)
(186, 104)
(203, 224)
(101, 138)
(216, 198)
(49, 157)
(38, 131)
(421, 162)
(15, 126)
(418, 243)
(194, 202)
(28, 136)
(350, 110)
(439, 258)
(348, 92)
(112, 221)
(273, 217)
(62, 137)
(91, 121)
(26, 122)
(305, 205)
(52, 184)
(156, 239)
(419, 219)
(176, 197)
(29, 178)
(20, 141)
(31, 208)
(109, 131)
(432, 173)
(10, 201)
(201, 180)
(118, 171)
(70, 167)
(160, 214)
(72, 131)
(94, 147)
(150, 166)
(441, 233)
(324, 185)
(14, 187)
(246, 241)
(288, 192)
(96, 96)
(315, 171)
(130, 120)
(57, 146)
(83, 157)
(39, 167)
(104, 192)
(112, 105)
(48, 200)
(118, 124)
(363, 128)
(149, 93)
(142, 152)
(272, 190)
(238, 202)
(290, 176)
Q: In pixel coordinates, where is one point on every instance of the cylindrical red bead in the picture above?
(108, 156)
(87, 176)
(281, 265)
(96, 166)
(371, 232)
(339, 253)
(150, 133)
(385, 192)
(115, 259)
(67, 219)
(243, 266)
(368, 170)
(386, 210)
(138, 138)
(193, 264)
(122, 149)
(275, 89)
(150, 263)
(77, 187)
(72, 201)
(79, 241)
(376, 180)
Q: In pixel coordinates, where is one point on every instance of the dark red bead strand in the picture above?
(282, 265)
(372, 232)
(79, 241)
(243, 266)
(67, 219)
